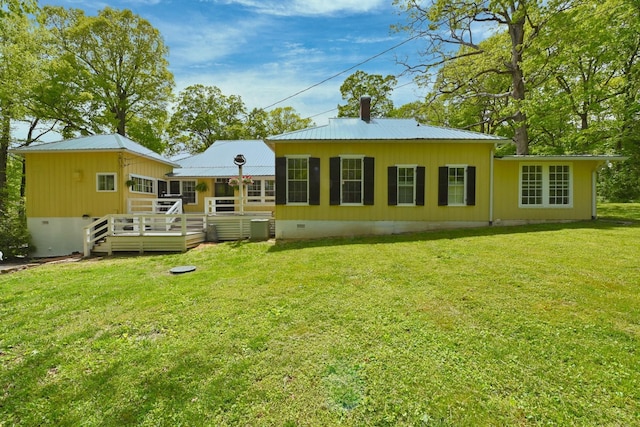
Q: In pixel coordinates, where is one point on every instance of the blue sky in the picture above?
(267, 50)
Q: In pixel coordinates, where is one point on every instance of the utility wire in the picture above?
(342, 72)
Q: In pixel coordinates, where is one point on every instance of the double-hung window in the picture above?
(457, 185)
(106, 182)
(297, 181)
(406, 185)
(351, 174)
(544, 185)
(351, 180)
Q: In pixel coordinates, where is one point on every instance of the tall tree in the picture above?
(17, 7)
(110, 70)
(202, 115)
(449, 25)
(260, 124)
(18, 68)
(359, 84)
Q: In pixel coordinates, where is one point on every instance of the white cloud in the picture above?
(309, 7)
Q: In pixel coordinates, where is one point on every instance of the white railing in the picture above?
(141, 225)
(154, 206)
(214, 205)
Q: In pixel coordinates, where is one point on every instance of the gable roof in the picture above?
(97, 143)
(217, 160)
(384, 129)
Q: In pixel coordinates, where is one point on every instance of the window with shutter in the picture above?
(457, 185)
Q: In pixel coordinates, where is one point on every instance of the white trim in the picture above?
(115, 182)
(296, 156)
(415, 176)
(352, 157)
(464, 189)
(545, 186)
(154, 184)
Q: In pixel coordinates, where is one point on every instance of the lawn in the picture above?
(531, 325)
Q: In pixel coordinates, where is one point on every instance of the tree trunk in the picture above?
(521, 136)
(5, 137)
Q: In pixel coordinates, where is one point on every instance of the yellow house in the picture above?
(365, 175)
(71, 183)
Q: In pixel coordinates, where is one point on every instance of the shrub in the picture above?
(15, 240)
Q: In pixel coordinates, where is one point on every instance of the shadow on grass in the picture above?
(450, 234)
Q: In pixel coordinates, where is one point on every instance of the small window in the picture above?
(184, 189)
(142, 185)
(351, 177)
(545, 186)
(106, 182)
(352, 180)
(297, 180)
(261, 191)
(457, 185)
(406, 185)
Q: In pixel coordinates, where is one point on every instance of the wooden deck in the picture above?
(168, 233)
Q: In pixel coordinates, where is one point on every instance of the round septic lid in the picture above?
(182, 269)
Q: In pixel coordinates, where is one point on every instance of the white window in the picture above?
(351, 177)
(545, 186)
(297, 180)
(106, 182)
(406, 185)
(456, 186)
(185, 189)
(261, 191)
(142, 184)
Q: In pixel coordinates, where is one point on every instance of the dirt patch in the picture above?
(17, 265)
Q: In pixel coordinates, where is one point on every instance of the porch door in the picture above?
(162, 188)
(223, 189)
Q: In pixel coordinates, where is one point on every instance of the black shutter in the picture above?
(334, 181)
(420, 182)
(281, 181)
(392, 185)
(471, 185)
(314, 181)
(369, 180)
(443, 186)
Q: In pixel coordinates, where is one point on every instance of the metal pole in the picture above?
(241, 186)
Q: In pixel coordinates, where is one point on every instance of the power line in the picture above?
(342, 72)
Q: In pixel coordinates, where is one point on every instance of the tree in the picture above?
(359, 84)
(202, 115)
(18, 68)
(260, 124)
(109, 71)
(17, 7)
(452, 30)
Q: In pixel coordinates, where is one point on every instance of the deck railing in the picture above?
(216, 205)
(140, 225)
(154, 206)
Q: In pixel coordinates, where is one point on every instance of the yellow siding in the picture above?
(64, 184)
(430, 155)
(507, 181)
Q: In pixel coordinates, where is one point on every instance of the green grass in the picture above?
(535, 325)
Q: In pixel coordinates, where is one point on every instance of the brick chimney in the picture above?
(365, 108)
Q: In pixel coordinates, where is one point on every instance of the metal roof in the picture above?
(383, 129)
(110, 142)
(217, 160)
